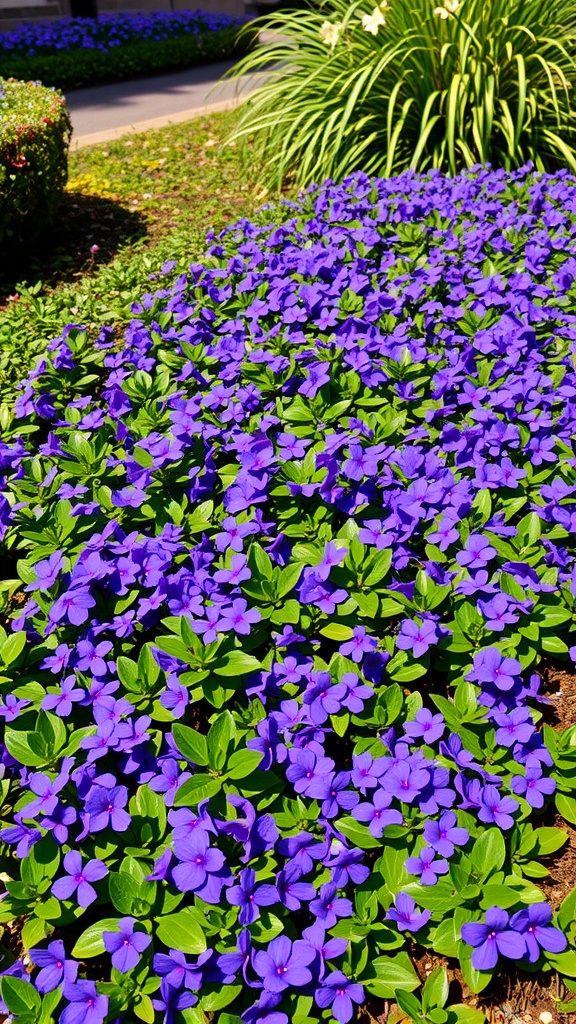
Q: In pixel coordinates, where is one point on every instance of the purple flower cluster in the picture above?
(109, 30)
(332, 461)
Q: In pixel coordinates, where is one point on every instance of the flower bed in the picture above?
(35, 134)
(73, 52)
(292, 550)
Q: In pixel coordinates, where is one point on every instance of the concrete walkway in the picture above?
(101, 113)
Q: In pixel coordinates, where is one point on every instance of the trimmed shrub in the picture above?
(35, 132)
(282, 562)
(415, 83)
(82, 51)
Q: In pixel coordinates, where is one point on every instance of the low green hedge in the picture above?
(68, 69)
(35, 132)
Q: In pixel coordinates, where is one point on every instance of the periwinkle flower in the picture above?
(497, 809)
(533, 923)
(493, 937)
(340, 994)
(405, 915)
(425, 725)
(85, 1004)
(477, 552)
(125, 945)
(55, 968)
(284, 964)
(249, 896)
(533, 786)
(443, 835)
(427, 866)
(417, 637)
(79, 879)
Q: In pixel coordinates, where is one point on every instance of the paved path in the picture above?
(104, 112)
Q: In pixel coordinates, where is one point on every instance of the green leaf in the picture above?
(242, 763)
(125, 892)
(12, 648)
(336, 631)
(236, 663)
(223, 996)
(435, 991)
(388, 974)
(91, 942)
(199, 787)
(461, 1014)
(219, 737)
(565, 805)
(409, 1005)
(183, 930)
(20, 997)
(358, 834)
(564, 963)
(476, 980)
(18, 744)
(488, 853)
(191, 743)
(498, 896)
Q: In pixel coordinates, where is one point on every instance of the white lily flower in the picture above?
(372, 22)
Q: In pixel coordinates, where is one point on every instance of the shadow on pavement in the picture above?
(65, 253)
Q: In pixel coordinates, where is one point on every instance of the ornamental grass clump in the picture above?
(35, 132)
(283, 565)
(409, 84)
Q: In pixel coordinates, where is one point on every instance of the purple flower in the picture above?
(494, 937)
(376, 814)
(74, 606)
(514, 727)
(490, 666)
(533, 786)
(499, 612)
(426, 725)
(328, 907)
(86, 1005)
(202, 869)
(47, 572)
(56, 969)
(79, 879)
(405, 915)
(425, 865)
(477, 552)
(533, 923)
(497, 809)
(125, 945)
(105, 807)
(250, 897)
(444, 835)
(417, 637)
(333, 791)
(284, 964)
(340, 993)
(238, 618)
(176, 970)
(404, 782)
(291, 891)
(360, 644)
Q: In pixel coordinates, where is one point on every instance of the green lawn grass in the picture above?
(142, 199)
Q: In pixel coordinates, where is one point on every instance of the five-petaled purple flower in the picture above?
(492, 937)
(125, 945)
(78, 879)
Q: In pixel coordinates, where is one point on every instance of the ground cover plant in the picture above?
(35, 134)
(415, 83)
(71, 52)
(282, 560)
(129, 206)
